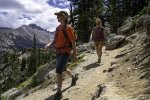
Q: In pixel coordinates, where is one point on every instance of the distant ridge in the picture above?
(21, 37)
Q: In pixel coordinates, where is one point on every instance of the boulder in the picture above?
(140, 21)
(85, 47)
(126, 27)
(146, 24)
(98, 92)
(114, 41)
(43, 73)
(108, 28)
(11, 94)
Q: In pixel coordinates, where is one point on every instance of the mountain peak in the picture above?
(36, 27)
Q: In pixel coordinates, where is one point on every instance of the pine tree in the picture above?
(83, 16)
(32, 62)
(84, 12)
(23, 64)
(39, 57)
(119, 10)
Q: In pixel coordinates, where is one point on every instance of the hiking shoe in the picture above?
(74, 80)
(57, 96)
(99, 60)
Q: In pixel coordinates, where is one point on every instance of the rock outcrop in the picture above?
(114, 41)
(11, 94)
(126, 27)
(141, 19)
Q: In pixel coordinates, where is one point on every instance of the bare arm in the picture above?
(50, 44)
(74, 50)
(91, 35)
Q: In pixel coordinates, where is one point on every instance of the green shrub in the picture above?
(2, 98)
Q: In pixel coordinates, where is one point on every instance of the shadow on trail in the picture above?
(52, 96)
(94, 65)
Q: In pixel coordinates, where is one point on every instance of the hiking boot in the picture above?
(58, 95)
(74, 80)
(99, 60)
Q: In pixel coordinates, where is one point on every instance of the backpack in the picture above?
(66, 36)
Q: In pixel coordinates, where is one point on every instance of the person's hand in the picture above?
(46, 46)
(90, 40)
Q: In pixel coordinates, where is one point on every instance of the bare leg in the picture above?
(68, 72)
(96, 47)
(59, 81)
(74, 77)
(100, 49)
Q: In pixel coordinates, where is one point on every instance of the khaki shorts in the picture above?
(98, 43)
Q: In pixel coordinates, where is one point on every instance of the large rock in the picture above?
(44, 71)
(85, 47)
(108, 28)
(98, 92)
(126, 27)
(113, 41)
(141, 20)
(147, 25)
(11, 94)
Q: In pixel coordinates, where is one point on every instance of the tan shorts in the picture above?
(98, 43)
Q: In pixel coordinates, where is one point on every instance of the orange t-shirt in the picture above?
(61, 42)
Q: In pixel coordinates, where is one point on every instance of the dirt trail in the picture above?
(90, 75)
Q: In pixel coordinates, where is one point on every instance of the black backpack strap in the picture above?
(65, 32)
(66, 36)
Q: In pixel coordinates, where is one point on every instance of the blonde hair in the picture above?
(98, 21)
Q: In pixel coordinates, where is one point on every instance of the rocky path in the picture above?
(91, 75)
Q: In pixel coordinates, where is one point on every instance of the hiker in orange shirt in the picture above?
(64, 41)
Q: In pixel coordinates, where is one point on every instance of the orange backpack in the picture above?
(66, 36)
(65, 33)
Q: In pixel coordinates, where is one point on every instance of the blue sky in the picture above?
(15, 13)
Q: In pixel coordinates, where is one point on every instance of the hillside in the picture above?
(122, 75)
(16, 56)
